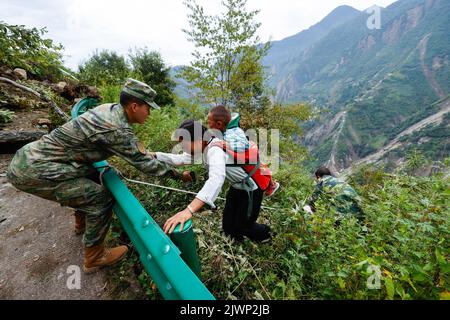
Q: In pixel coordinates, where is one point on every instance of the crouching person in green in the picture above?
(58, 166)
(343, 197)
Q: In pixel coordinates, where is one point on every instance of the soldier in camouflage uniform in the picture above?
(343, 197)
(58, 166)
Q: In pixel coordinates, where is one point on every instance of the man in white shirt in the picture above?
(198, 142)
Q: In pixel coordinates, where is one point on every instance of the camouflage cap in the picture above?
(141, 91)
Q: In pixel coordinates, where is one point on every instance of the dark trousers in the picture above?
(238, 220)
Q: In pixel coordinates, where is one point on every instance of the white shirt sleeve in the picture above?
(174, 159)
(216, 160)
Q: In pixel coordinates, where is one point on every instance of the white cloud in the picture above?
(85, 25)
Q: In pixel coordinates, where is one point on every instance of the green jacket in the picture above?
(341, 194)
(68, 151)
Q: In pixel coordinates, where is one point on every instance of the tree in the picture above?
(286, 119)
(149, 67)
(27, 49)
(104, 68)
(415, 160)
(228, 68)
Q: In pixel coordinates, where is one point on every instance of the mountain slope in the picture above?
(418, 136)
(283, 52)
(384, 79)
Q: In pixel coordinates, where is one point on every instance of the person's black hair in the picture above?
(221, 113)
(189, 126)
(323, 171)
(127, 99)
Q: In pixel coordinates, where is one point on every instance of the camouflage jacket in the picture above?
(68, 151)
(339, 193)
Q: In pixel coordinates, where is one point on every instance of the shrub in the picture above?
(27, 49)
(6, 116)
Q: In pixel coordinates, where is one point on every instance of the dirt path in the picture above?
(37, 247)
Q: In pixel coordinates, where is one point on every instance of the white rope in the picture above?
(163, 187)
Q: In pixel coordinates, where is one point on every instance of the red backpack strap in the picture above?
(257, 171)
(250, 156)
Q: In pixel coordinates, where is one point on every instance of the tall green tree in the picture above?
(227, 60)
(149, 67)
(104, 68)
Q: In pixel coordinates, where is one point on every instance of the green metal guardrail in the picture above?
(176, 279)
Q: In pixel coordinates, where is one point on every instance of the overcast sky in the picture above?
(85, 25)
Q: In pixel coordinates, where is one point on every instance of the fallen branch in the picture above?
(57, 109)
(40, 95)
(15, 84)
(257, 278)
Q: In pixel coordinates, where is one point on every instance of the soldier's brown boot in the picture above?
(98, 256)
(80, 223)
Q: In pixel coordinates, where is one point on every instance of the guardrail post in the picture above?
(186, 242)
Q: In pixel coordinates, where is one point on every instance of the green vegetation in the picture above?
(26, 48)
(150, 68)
(404, 239)
(108, 71)
(104, 68)
(405, 234)
(432, 141)
(6, 116)
(228, 70)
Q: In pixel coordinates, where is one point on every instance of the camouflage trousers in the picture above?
(84, 194)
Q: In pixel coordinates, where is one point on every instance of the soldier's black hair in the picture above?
(189, 126)
(322, 171)
(127, 99)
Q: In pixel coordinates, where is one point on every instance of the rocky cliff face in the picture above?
(385, 80)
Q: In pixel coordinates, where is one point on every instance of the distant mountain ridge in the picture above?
(282, 52)
(374, 83)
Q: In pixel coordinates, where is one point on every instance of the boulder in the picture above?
(20, 74)
(93, 92)
(20, 136)
(7, 73)
(11, 141)
(60, 87)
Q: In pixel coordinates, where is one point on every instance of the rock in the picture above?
(20, 74)
(20, 136)
(7, 73)
(72, 91)
(60, 87)
(93, 92)
(41, 122)
(82, 91)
